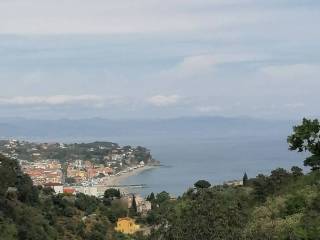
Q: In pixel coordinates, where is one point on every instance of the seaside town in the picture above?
(88, 168)
(94, 170)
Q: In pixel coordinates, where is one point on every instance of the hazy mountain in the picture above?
(186, 127)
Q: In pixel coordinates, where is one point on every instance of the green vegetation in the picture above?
(202, 184)
(34, 213)
(282, 206)
(112, 193)
(95, 152)
(245, 179)
(306, 137)
(133, 209)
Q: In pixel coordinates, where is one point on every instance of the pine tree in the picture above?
(133, 209)
(245, 179)
(134, 204)
(151, 197)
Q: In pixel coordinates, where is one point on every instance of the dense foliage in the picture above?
(96, 152)
(33, 213)
(282, 206)
(306, 137)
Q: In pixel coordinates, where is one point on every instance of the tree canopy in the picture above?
(202, 184)
(306, 137)
(112, 193)
(282, 205)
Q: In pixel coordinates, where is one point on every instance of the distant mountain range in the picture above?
(185, 127)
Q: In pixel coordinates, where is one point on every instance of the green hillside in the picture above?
(284, 205)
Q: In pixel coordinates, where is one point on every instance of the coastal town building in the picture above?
(88, 168)
(90, 190)
(57, 187)
(127, 226)
(80, 171)
(69, 190)
(143, 206)
(43, 172)
(234, 183)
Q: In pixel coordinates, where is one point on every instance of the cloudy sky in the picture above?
(159, 59)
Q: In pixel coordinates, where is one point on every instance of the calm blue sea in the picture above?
(184, 161)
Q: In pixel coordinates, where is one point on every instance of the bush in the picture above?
(202, 184)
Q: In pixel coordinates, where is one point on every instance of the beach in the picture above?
(117, 180)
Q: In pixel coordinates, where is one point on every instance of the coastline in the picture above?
(119, 179)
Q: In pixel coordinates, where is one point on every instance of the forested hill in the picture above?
(35, 213)
(282, 206)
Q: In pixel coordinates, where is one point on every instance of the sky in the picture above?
(159, 59)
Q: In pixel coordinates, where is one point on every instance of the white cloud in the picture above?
(127, 16)
(210, 49)
(164, 100)
(219, 58)
(208, 109)
(206, 64)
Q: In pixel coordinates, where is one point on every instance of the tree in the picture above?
(260, 188)
(48, 191)
(210, 215)
(98, 232)
(278, 178)
(202, 184)
(10, 173)
(12, 176)
(295, 204)
(162, 197)
(151, 197)
(306, 137)
(26, 191)
(310, 222)
(116, 210)
(8, 230)
(296, 172)
(86, 203)
(31, 225)
(112, 193)
(245, 179)
(134, 209)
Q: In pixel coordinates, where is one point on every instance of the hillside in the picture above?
(35, 213)
(284, 205)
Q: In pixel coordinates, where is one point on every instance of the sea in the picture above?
(185, 161)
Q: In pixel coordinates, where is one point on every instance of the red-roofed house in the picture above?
(69, 190)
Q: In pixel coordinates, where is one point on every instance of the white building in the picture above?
(91, 191)
(58, 188)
